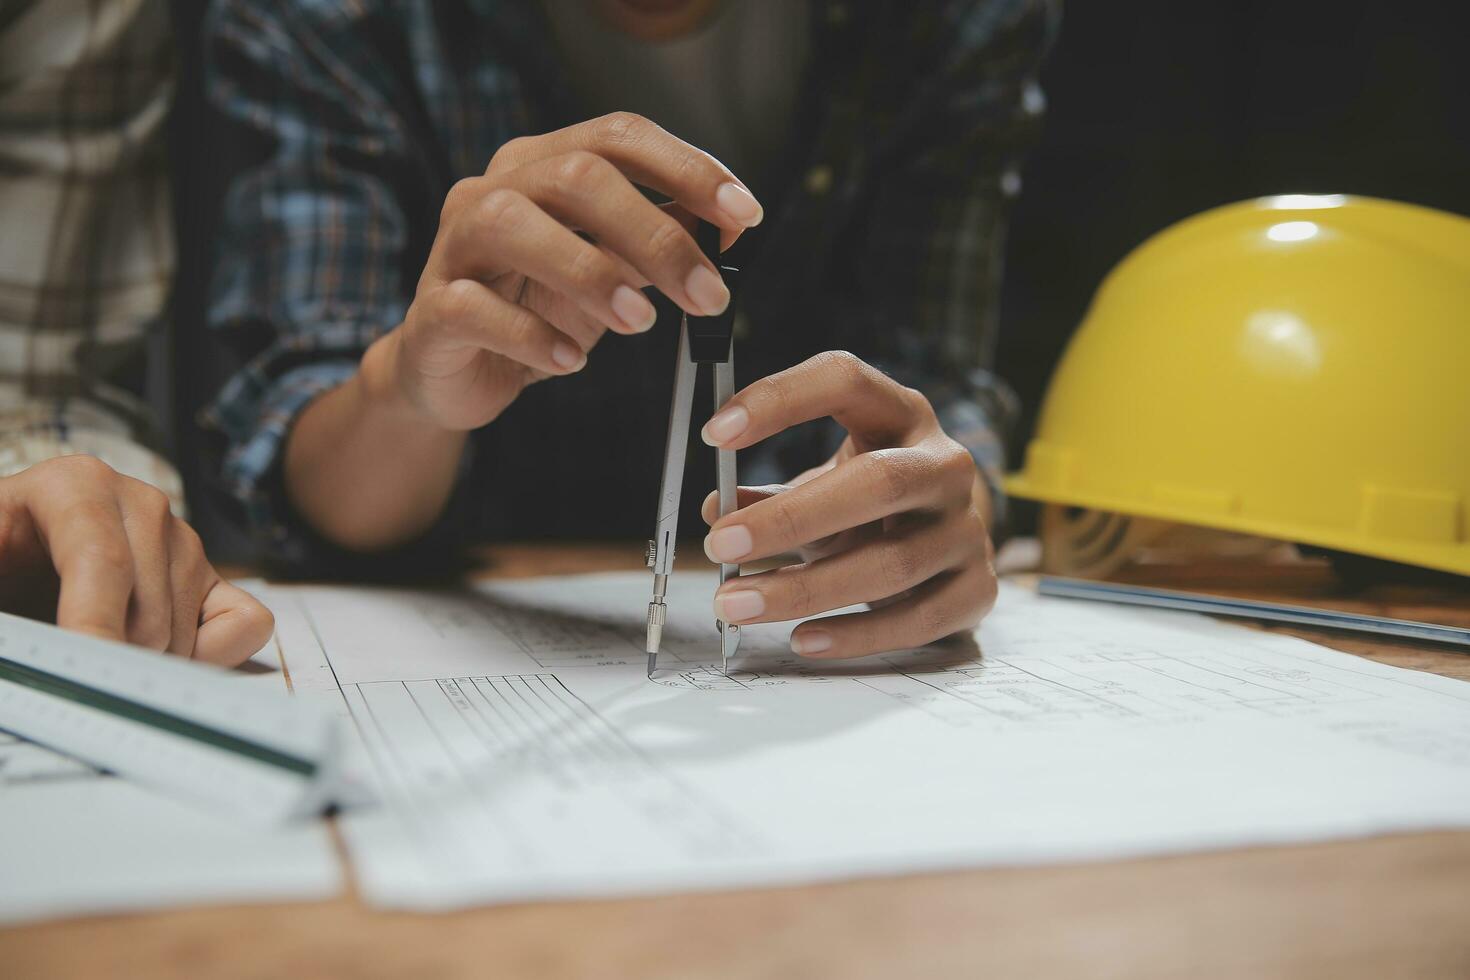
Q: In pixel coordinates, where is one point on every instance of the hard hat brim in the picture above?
(1454, 558)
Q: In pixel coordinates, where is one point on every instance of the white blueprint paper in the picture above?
(522, 753)
(74, 841)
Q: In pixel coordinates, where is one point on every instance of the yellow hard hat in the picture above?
(1295, 367)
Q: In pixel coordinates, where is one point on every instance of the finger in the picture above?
(864, 488)
(653, 157)
(190, 577)
(940, 607)
(89, 549)
(567, 316)
(587, 192)
(148, 522)
(506, 231)
(232, 625)
(862, 399)
(875, 570)
(690, 223)
(744, 497)
(557, 309)
(472, 313)
(806, 476)
(627, 271)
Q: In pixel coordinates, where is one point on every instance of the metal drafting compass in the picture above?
(702, 340)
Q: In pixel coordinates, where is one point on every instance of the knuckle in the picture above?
(510, 153)
(621, 127)
(500, 210)
(455, 301)
(899, 566)
(589, 269)
(844, 364)
(873, 383)
(772, 399)
(956, 463)
(150, 502)
(667, 242)
(786, 518)
(187, 544)
(686, 167)
(697, 167)
(858, 378)
(463, 191)
(81, 467)
(575, 169)
(914, 400)
(522, 325)
(802, 602)
(889, 475)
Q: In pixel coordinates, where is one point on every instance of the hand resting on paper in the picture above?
(896, 519)
(101, 553)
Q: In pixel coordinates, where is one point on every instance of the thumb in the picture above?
(232, 625)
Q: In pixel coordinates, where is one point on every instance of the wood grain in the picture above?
(1394, 906)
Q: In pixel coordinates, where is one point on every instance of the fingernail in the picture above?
(739, 204)
(808, 642)
(728, 544)
(725, 425)
(568, 357)
(707, 291)
(633, 308)
(737, 607)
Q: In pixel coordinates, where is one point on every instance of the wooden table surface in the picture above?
(1396, 906)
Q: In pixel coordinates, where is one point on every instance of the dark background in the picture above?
(1158, 109)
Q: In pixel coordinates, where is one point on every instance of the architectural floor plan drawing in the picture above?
(518, 750)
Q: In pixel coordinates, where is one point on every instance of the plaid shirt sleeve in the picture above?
(314, 237)
(950, 167)
(87, 249)
(310, 245)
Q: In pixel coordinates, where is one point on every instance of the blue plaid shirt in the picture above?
(883, 235)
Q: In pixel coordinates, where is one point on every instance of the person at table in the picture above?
(92, 529)
(447, 206)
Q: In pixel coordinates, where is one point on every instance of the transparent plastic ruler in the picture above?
(1138, 595)
(186, 728)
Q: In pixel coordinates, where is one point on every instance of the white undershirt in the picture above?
(729, 87)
